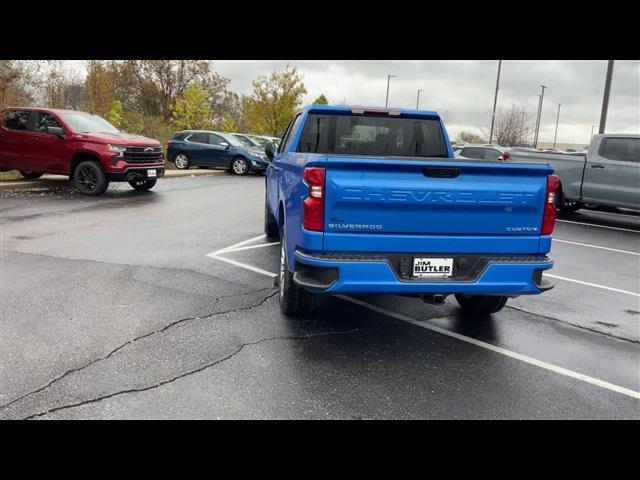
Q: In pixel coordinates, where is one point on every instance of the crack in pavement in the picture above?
(200, 369)
(130, 342)
(592, 330)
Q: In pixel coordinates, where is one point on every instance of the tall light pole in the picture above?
(495, 101)
(535, 129)
(557, 120)
(386, 102)
(539, 116)
(418, 99)
(591, 137)
(605, 99)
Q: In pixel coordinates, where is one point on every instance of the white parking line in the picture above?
(244, 265)
(604, 287)
(230, 247)
(637, 217)
(229, 250)
(599, 226)
(503, 351)
(596, 246)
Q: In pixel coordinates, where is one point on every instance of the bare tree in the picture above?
(512, 127)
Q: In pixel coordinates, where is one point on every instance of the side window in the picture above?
(285, 137)
(292, 131)
(491, 154)
(622, 149)
(216, 139)
(198, 138)
(17, 120)
(46, 120)
(472, 152)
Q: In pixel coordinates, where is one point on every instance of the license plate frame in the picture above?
(432, 267)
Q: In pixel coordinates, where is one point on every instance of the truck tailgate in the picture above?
(441, 197)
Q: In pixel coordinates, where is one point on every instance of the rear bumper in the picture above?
(132, 173)
(494, 275)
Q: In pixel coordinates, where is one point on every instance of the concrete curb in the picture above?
(53, 180)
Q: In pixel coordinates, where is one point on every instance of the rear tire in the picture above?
(294, 300)
(270, 226)
(89, 178)
(480, 305)
(566, 206)
(30, 175)
(144, 184)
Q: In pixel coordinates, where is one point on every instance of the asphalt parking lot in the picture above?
(162, 305)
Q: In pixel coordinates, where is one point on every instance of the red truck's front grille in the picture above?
(143, 154)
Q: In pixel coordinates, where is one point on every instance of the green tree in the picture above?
(274, 101)
(115, 114)
(101, 84)
(228, 124)
(192, 110)
(321, 100)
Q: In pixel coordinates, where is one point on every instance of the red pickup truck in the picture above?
(86, 147)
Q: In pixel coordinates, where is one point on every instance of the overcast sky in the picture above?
(463, 90)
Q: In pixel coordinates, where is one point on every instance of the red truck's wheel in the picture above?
(294, 300)
(89, 178)
(480, 305)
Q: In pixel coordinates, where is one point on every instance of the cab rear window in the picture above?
(373, 135)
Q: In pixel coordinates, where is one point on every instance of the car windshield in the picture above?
(261, 141)
(85, 123)
(246, 141)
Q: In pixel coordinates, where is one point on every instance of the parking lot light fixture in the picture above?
(418, 99)
(386, 102)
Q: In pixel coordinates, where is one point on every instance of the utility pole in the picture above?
(591, 137)
(605, 99)
(557, 120)
(539, 116)
(495, 101)
(418, 99)
(535, 129)
(386, 102)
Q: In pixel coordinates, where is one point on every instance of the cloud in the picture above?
(463, 90)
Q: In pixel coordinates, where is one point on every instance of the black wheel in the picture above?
(480, 305)
(181, 161)
(270, 226)
(143, 184)
(566, 206)
(294, 300)
(239, 166)
(30, 175)
(89, 178)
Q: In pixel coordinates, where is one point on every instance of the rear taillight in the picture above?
(313, 205)
(549, 218)
(505, 156)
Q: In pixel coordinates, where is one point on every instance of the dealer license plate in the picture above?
(432, 267)
(151, 173)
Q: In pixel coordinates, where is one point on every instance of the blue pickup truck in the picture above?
(370, 200)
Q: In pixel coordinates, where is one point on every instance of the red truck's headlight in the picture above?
(313, 205)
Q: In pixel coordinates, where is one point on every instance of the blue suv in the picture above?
(205, 148)
(371, 200)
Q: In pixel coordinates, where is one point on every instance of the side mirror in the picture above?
(57, 131)
(225, 145)
(270, 150)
